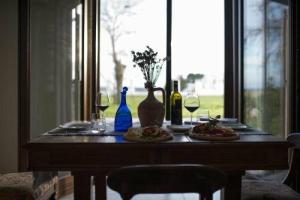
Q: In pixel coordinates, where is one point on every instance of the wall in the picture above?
(8, 85)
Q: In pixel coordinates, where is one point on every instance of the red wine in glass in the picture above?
(191, 108)
(191, 103)
(102, 101)
(101, 107)
(101, 104)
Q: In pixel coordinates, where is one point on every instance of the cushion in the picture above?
(42, 177)
(19, 186)
(264, 175)
(267, 190)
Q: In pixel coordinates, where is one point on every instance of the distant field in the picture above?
(214, 104)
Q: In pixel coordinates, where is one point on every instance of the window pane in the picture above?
(198, 48)
(265, 65)
(55, 76)
(125, 26)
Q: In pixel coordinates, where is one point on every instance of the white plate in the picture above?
(76, 125)
(179, 128)
(228, 120)
(238, 127)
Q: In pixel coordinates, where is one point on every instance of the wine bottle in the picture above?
(176, 105)
(123, 117)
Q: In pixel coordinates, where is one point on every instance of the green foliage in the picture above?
(263, 110)
(213, 103)
(273, 112)
(213, 121)
(253, 108)
(183, 82)
(191, 78)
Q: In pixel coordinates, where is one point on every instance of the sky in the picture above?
(197, 40)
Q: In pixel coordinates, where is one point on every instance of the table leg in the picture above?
(232, 190)
(100, 186)
(82, 186)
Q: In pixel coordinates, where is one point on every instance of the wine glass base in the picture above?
(97, 131)
(189, 123)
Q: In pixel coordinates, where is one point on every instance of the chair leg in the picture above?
(53, 197)
(126, 196)
(205, 197)
(210, 197)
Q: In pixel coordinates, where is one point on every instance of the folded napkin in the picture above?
(72, 132)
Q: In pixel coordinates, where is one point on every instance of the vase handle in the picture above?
(163, 93)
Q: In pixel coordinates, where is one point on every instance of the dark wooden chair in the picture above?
(286, 189)
(293, 176)
(179, 178)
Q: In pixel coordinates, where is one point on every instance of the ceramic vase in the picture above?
(151, 111)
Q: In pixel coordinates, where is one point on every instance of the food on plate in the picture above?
(206, 128)
(147, 133)
(211, 129)
(152, 131)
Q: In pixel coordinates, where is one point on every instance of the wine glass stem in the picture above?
(191, 118)
(103, 119)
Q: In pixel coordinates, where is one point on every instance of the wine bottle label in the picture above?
(176, 113)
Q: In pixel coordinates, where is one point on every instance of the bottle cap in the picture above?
(125, 89)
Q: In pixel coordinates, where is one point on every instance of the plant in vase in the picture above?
(150, 111)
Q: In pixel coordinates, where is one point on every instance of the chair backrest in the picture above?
(293, 177)
(294, 138)
(173, 178)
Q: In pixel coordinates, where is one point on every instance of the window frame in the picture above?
(232, 87)
(293, 116)
(23, 83)
(233, 59)
(295, 61)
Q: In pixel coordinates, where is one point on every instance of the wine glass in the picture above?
(203, 114)
(191, 103)
(101, 104)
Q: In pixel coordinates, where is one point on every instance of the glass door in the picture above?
(55, 63)
(266, 65)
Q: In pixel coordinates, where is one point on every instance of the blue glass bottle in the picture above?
(123, 118)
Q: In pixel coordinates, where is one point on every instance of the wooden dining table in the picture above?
(95, 156)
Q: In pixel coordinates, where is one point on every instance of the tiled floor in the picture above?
(115, 196)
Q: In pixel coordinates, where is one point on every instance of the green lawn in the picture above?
(214, 104)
